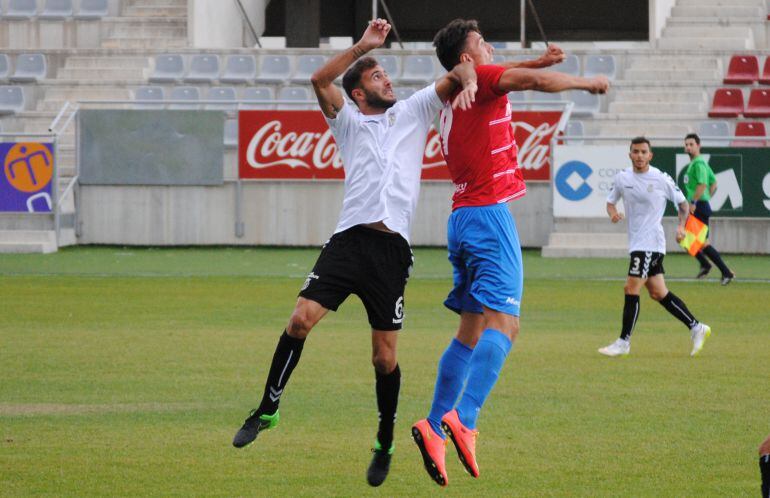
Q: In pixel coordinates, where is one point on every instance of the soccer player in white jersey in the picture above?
(381, 142)
(645, 190)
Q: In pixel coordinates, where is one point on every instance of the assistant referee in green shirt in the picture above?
(700, 183)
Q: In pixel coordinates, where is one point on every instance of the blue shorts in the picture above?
(485, 252)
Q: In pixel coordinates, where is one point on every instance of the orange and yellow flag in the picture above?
(695, 236)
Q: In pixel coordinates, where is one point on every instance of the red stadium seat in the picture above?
(750, 129)
(727, 103)
(764, 79)
(743, 70)
(759, 104)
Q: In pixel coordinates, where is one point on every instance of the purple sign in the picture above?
(26, 177)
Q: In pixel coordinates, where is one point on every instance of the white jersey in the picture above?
(644, 197)
(382, 157)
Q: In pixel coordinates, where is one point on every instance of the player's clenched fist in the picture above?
(599, 84)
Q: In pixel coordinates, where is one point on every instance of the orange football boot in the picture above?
(433, 449)
(464, 440)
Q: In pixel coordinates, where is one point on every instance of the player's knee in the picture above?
(300, 324)
(657, 295)
(384, 361)
(629, 289)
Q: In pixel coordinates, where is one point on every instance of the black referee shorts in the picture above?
(702, 211)
(371, 264)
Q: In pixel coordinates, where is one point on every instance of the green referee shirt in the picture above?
(698, 172)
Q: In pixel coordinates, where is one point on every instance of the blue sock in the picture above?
(452, 370)
(487, 360)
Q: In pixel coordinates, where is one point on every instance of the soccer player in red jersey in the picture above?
(484, 249)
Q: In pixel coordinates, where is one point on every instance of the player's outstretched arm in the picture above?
(683, 212)
(463, 75)
(613, 213)
(551, 82)
(329, 96)
(553, 55)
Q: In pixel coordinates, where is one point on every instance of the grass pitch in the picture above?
(127, 372)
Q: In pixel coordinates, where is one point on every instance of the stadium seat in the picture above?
(390, 64)
(231, 133)
(764, 79)
(239, 69)
(759, 104)
(574, 129)
(5, 67)
(727, 103)
(498, 59)
(536, 96)
(30, 67)
(222, 94)
(600, 64)
(256, 98)
(586, 104)
(743, 70)
(274, 69)
(571, 65)
(204, 68)
(711, 131)
(169, 68)
(11, 99)
(149, 94)
(189, 93)
(750, 129)
(306, 66)
(404, 92)
(92, 9)
(56, 9)
(517, 97)
(295, 93)
(21, 9)
(418, 69)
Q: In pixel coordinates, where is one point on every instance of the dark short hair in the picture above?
(450, 41)
(641, 140)
(694, 136)
(352, 78)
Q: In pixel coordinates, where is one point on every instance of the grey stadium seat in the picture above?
(21, 9)
(257, 94)
(274, 69)
(306, 66)
(571, 65)
(204, 68)
(390, 64)
(231, 132)
(184, 93)
(418, 69)
(224, 94)
(239, 69)
(168, 68)
(56, 9)
(149, 94)
(298, 93)
(600, 64)
(11, 99)
(30, 67)
(92, 9)
(536, 96)
(5, 67)
(586, 104)
(498, 59)
(517, 97)
(711, 131)
(574, 129)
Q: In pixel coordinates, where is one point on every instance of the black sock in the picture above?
(714, 256)
(676, 307)
(387, 387)
(703, 260)
(285, 358)
(630, 314)
(764, 468)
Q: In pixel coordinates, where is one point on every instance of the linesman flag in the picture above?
(695, 233)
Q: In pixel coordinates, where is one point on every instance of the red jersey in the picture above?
(479, 146)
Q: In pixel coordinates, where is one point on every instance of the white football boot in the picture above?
(620, 347)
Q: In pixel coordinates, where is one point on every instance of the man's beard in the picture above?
(374, 100)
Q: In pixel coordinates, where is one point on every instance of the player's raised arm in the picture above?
(463, 75)
(329, 96)
(547, 81)
(553, 55)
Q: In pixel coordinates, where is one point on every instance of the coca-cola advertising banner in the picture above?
(298, 145)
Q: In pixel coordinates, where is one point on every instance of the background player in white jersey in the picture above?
(645, 190)
(381, 142)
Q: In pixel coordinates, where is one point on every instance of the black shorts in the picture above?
(702, 211)
(645, 264)
(371, 264)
